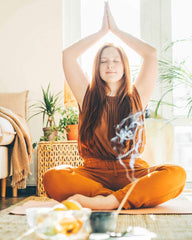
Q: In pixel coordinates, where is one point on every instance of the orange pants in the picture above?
(154, 186)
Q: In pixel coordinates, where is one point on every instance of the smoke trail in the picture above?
(129, 129)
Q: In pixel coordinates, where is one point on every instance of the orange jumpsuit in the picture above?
(103, 174)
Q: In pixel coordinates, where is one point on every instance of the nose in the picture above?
(110, 65)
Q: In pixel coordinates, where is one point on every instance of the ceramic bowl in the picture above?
(103, 222)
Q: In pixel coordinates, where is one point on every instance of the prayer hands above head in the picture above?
(111, 22)
(105, 25)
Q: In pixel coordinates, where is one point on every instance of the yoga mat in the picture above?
(174, 206)
(20, 210)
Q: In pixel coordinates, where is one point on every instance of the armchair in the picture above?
(13, 107)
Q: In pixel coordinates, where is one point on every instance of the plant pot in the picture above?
(49, 133)
(72, 132)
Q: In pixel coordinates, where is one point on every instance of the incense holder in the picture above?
(103, 222)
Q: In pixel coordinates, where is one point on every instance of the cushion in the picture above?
(7, 132)
(3, 162)
(17, 102)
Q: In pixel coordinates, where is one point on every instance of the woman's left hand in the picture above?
(105, 24)
(112, 24)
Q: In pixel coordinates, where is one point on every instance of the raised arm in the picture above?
(147, 77)
(74, 75)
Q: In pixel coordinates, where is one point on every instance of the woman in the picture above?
(102, 182)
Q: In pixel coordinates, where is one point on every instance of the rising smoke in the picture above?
(129, 129)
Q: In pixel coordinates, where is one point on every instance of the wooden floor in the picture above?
(22, 194)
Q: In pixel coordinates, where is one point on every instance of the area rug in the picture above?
(174, 206)
(174, 226)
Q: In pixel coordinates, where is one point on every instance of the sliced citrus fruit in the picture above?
(68, 226)
(71, 205)
(60, 207)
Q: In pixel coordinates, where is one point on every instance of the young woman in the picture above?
(102, 182)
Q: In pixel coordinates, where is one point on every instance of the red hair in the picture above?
(97, 96)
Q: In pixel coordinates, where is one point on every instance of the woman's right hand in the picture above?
(105, 24)
(111, 22)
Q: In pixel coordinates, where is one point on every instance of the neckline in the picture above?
(111, 97)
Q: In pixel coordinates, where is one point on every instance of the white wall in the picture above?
(30, 52)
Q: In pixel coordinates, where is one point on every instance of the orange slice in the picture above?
(68, 226)
(71, 205)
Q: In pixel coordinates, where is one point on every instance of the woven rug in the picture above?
(169, 227)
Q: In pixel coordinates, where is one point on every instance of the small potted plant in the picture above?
(48, 107)
(69, 122)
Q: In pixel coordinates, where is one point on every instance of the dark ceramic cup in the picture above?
(102, 222)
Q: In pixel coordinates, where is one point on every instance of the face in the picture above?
(111, 66)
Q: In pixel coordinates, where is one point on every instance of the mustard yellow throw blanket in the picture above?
(21, 154)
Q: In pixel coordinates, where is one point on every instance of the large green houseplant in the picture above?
(176, 75)
(48, 107)
(160, 131)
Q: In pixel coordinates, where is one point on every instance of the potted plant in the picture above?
(69, 122)
(48, 107)
(159, 131)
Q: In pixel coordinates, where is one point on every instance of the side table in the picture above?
(52, 154)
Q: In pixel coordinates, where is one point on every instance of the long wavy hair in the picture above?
(97, 96)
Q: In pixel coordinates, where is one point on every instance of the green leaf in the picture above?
(48, 106)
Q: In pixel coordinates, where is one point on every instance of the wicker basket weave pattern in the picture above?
(52, 154)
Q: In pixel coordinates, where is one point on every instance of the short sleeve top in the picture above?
(106, 143)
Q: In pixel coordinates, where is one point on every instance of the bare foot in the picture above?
(97, 202)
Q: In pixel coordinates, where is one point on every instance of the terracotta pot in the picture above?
(50, 134)
(72, 132)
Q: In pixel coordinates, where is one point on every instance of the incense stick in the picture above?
(125, 198)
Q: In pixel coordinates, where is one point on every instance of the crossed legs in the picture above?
(161, 184)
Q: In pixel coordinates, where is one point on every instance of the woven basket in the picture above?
(52, 154)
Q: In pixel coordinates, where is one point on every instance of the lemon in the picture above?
(60, 207)
(71, 205)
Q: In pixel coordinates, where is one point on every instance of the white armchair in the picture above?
(7, 135)
(15, 103)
